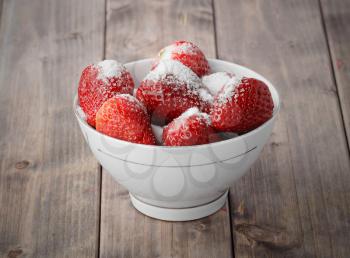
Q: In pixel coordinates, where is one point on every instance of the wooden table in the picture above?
(56, 201)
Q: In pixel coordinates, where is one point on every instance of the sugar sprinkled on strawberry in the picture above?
(188, 54)
(242, 106)
(100, 82)
(205, 95)
(179, 71)
(191, 128)
(125, 118)
(180, 121)
(178, 48)
(206, 100)
(228, 90)
(169, 90)
(134, 100)
(109, 69)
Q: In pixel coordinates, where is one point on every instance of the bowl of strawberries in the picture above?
(176, 130)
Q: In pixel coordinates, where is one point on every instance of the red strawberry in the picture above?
(191, 128)
(206, 100)
(242, 105)
(100, 82)
(188, 54)
(169, 90)
(125, 118)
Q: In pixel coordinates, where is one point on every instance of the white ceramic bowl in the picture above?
(179, 183)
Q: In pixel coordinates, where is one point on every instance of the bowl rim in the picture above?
(192, 147)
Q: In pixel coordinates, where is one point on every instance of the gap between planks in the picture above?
(99, 165)
(232, 227)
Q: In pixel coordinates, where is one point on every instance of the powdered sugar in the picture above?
(109, 69)
(189, 112)
(181, 120)
(133, 100)
(206, 118)
(215, 81)
(228, 90)
(167, 52)
(181, 73)
(205, 95)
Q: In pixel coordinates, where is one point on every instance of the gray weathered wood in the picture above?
(49, 180)
(294, 202)
(296, 197)
(336, 16)
(0, 8)
(136, 30)
(125, 232)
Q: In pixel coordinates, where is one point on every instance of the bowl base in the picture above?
(179, 214)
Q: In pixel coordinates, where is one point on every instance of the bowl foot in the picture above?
(179, 214)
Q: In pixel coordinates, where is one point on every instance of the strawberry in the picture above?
(169, 90)
(191, 128)
(125, 118)
(100, 82)
(242, 105)
(206, 100)
(188, 54)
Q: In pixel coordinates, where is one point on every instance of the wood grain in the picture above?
(336, 15)
(0, 9)
(136, 30)
(295, 200)
(49, 180)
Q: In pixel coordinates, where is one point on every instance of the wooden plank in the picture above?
(0, 9)
(49, 180)
(125, 232)
(296, 197)
(336, 16)
(136, 30)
